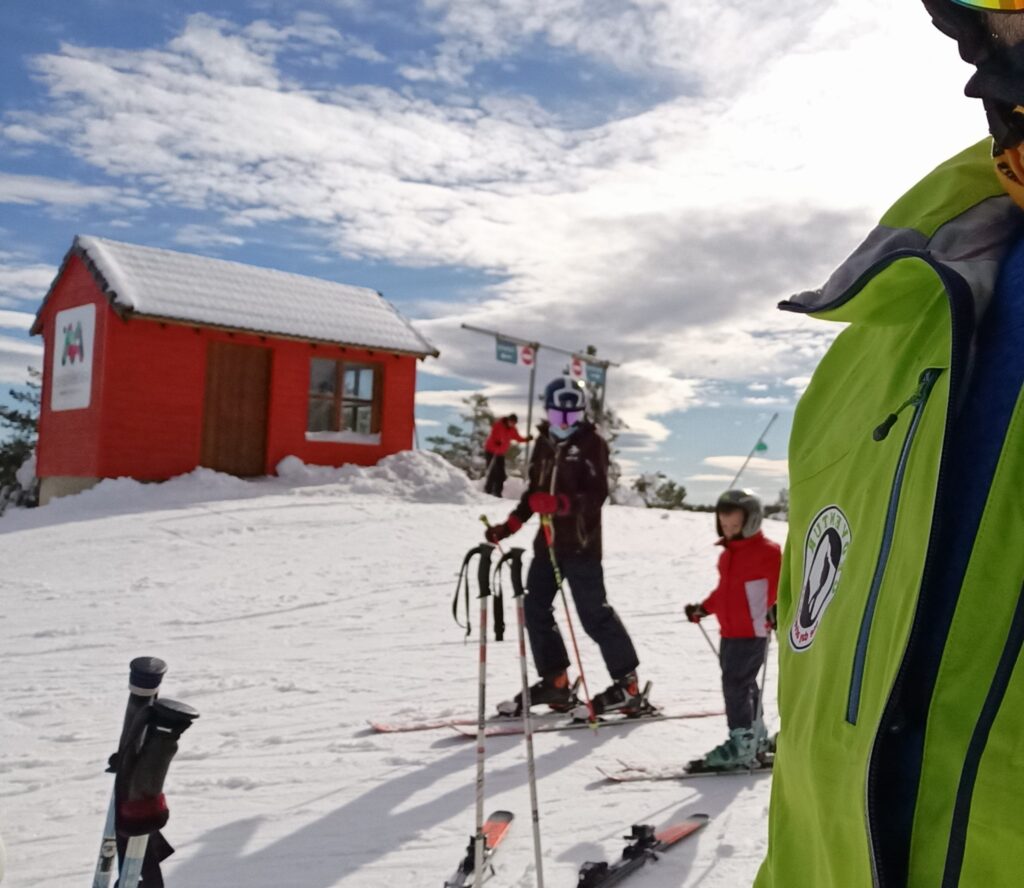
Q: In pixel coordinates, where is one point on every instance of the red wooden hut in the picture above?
(156, 362)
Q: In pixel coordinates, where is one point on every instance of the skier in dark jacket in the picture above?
(568, 484)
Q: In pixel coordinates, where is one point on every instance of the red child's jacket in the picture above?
(501, 438)
(748, 579)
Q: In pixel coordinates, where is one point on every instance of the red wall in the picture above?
(146, 416)
(69, 440)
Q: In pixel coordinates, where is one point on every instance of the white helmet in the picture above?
(751, 505)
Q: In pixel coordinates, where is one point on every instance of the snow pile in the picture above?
(26, 474)
(412, 475)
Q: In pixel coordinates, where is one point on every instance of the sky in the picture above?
(650, 177)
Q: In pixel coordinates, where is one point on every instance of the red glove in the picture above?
(497, 532)
(548, 503)
(695, 612)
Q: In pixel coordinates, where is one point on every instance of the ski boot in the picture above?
(765, 744)
(738, 753)
(623, 696)
(556, 692)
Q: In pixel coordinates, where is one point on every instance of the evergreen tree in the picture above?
(660, 492)
(21, 422)
(464, 447)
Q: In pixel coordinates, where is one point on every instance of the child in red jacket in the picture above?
(744, 603)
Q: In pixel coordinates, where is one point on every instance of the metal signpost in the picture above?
(511, 350)
(759, 446)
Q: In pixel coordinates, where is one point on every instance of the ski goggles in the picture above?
(994, 5)
(559, 418)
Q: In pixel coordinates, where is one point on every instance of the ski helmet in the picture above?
(999, 80)
(751, 505)
(565, 401)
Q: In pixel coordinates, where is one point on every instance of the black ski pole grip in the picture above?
(144, 677)
(141, 805)
(483, 569)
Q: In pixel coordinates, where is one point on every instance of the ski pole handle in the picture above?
(488, 525)
(144, 677)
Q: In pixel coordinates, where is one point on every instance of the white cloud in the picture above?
(768, 402)
(61, 192)
(758, 465)
(16, 355)
(16, 320)
(663, 235)
(206, 236)
(23, 135)
(21, 282)
(445, 398)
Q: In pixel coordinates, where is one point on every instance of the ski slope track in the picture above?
(293, 610)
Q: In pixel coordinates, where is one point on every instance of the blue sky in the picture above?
(647, 176)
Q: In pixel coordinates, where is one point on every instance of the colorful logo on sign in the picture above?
(74, 344)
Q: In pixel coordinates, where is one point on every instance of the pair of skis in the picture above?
(645, 843)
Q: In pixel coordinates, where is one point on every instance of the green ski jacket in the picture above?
(867, 461)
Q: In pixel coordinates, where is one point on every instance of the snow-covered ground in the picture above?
(290, 611)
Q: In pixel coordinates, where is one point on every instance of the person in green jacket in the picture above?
(900, 763)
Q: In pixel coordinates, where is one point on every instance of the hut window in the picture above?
(344, 397)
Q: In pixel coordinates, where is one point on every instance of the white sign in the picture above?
(74, 337)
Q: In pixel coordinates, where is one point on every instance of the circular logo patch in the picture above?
(825, 547)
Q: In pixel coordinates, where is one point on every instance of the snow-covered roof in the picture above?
(198, 289)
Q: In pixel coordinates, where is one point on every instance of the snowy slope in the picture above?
(291, 611)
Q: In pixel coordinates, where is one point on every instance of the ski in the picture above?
(499, 728)
(403, 727)
(494, 830)
(400, 727)
(645, 843)
(628, 772)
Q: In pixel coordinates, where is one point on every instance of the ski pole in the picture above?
(479, 841)
(764, 677)
(549, 538)
(142, 769)
(144, 677)
(515, 555)
(707, 638)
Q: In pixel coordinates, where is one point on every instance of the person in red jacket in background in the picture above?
(503, 433)
(744, 603)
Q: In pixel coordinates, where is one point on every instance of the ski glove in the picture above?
(695, 612)
(548, 503)
(771, 619)
(497, 532)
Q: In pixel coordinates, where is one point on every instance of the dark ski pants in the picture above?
(496, 476)
(586, 580)
(741, 659)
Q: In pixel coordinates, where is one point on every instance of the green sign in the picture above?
(507, 351)
(595, 374)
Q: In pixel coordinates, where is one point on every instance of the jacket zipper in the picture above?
(969, 775)
(962, 325)
(917, 400)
